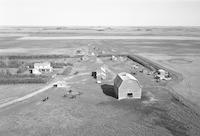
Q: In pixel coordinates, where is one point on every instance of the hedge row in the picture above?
(14, 79)
(6, 63)
(39, 56)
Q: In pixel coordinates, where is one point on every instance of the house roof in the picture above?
(42, 64)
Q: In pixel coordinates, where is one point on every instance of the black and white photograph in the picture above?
(99, 67)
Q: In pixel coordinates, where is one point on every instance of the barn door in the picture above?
(129, 95)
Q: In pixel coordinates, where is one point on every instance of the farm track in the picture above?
(50, 85)
(26, 96)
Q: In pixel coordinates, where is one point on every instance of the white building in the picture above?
(43, 67)
(101, 74)
(163, 75)
(127, 86)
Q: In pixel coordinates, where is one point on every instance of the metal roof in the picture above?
(126, 76)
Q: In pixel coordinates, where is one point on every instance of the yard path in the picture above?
(26, 96)
(45, 88)
(50, 85)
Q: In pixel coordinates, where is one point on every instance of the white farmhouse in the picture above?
(43, 67)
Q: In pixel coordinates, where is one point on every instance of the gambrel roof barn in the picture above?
(127, 86)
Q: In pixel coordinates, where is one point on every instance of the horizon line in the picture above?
(99, 25)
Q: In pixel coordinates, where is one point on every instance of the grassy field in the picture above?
(96, 111)
(9, 92)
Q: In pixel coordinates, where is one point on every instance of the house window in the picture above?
(130, 94)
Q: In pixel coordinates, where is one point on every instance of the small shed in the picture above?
(114, 58)
(163, 75)
(101, 74)
(60, 84)
(127, 86)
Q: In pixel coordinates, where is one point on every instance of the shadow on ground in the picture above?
(108, 90)
(154, 113)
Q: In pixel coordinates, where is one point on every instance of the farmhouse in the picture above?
(127, 86)
(39, 68)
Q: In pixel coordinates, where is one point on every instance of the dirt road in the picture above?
(26, 96)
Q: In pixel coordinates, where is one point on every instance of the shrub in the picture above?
(5, 72)
(21, 69)
(60, 65)
(16, 79)
(6, 63)
(2, 64)
(66, 71)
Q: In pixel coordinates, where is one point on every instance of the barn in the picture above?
(127, 86)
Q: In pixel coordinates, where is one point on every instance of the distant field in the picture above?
(111, 38)
(177, 48)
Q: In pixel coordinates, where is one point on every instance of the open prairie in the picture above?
(95, 111)
(175, 47)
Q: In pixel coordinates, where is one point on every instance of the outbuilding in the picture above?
(101, 74)
(60, 84)
(162, 75)
(127, 86)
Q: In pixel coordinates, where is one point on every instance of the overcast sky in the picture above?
(100, 12)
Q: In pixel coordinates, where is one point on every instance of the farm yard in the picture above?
(84, 107)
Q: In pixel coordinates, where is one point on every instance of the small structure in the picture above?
(145, 71)
(113, 58)
(121, 58)
(60, 84)
(45, 99)
(39, 68)
(84, 58)
(162, 75)
(135, 66)
(94, 74)
(72, 94)
(101, 74)
(92, 54)
(103, 52)
(127, 86)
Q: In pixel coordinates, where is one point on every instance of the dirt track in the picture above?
(26, 96)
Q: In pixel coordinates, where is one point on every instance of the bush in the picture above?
(16, 79)
(6, 63)
(14, 64)
(14, 57)
(21, 69)
(66, 71)
(2, 64)
(5, 72)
